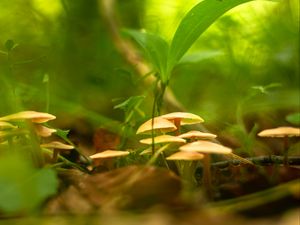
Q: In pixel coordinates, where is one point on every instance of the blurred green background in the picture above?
(62, 59)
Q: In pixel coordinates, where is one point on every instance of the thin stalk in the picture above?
(285, 150)
(156, 154)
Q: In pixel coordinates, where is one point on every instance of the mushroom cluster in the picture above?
(9, 130)
(197, 145)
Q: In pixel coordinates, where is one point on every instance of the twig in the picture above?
(260, 160)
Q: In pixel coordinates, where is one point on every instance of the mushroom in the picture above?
(206, 148)
(186, 163)
(182, 118)
(43, 131)
(156, 124)
(195, 134)
(35, 117)
(282, 132)
(162, 139)
(57, 147)
(106, 155)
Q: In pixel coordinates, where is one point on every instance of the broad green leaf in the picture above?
(196, 21)
(199, 56)
(293, 119)
(23, 187)
(155, 48)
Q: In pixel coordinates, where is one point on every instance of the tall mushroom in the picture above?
(156, 124)
(282, 132)
(206, 148)
(182, 118)
(186, 163)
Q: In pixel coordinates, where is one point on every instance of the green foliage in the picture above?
(293, 118)
(23, 187)
(197, 20)
(156, 50)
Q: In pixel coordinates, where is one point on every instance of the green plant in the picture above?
(164, 57)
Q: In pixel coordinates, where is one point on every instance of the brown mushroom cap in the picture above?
(159, 124)
(109, 154)
(57, 145)
(5, 125)
(163, 139)
(35, 117)
(197, 134)
(205, 147)
(188, 156)
(185, 118)
(280, 132)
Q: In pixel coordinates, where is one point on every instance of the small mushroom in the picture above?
(108, 155)
(195, 134)
(282, 132)
(43, 131)
(57, 147)
(33, 116)
(206, 148)
(157, 124)
(185, 156)
(186, 163)
(163, 139)
(182, 118)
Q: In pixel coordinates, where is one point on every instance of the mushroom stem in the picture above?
(177, 122)
(206, 179)
(285, 150)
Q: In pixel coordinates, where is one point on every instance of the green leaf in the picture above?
(293, 119)
(130, 103)
(196, 21)
(23, 187)
(199, 56)
(62, 133)
(155, 48)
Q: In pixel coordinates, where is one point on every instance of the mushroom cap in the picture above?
(159, 124)
(280, 132)
(43, 131)
(109, 154)
(185, 118)
(197, 134)
(205, 147)
(163, 139)
(35, 117)
(188, 156)
(57, 145)
(5, 125)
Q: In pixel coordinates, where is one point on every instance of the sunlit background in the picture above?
(65, 61)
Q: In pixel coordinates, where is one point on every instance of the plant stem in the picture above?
(285, 150)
